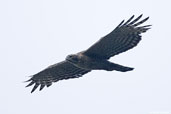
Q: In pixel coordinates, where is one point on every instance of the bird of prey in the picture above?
(124, 37)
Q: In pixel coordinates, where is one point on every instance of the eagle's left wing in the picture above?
(59, 71)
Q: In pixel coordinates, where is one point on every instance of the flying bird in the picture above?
(124, 37)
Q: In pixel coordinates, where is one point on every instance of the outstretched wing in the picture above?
(124, 37)
(59, 71)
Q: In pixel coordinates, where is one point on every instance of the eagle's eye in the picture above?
(75, 58)
(69, 56)
(72, 58)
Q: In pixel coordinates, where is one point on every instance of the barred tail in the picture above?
(118, 67)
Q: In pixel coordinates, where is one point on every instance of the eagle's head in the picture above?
(73, 58)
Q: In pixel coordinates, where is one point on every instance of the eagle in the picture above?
(124, 37)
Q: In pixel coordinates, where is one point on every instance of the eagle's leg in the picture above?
(117, 67)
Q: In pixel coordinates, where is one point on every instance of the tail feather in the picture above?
(118, 67)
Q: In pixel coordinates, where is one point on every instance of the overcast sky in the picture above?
(37, 33)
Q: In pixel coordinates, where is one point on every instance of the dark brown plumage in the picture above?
(124, 37)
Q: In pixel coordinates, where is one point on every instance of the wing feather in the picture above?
(54, 73)
(124, 37)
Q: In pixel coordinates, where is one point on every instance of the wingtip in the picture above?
(32, 91)
(41, 87)
(34, 88)
(147, 26)
(141, 15)
(132, 16)
(120, 23)
(27, 81)
(147, 18)
(31, 83)
(141, 22)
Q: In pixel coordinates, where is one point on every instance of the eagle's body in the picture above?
(90, 63)
(124, 37)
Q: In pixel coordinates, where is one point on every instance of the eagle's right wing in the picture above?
(124, 37)
(59, 71)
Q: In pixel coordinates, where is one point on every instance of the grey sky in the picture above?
(37, 33)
